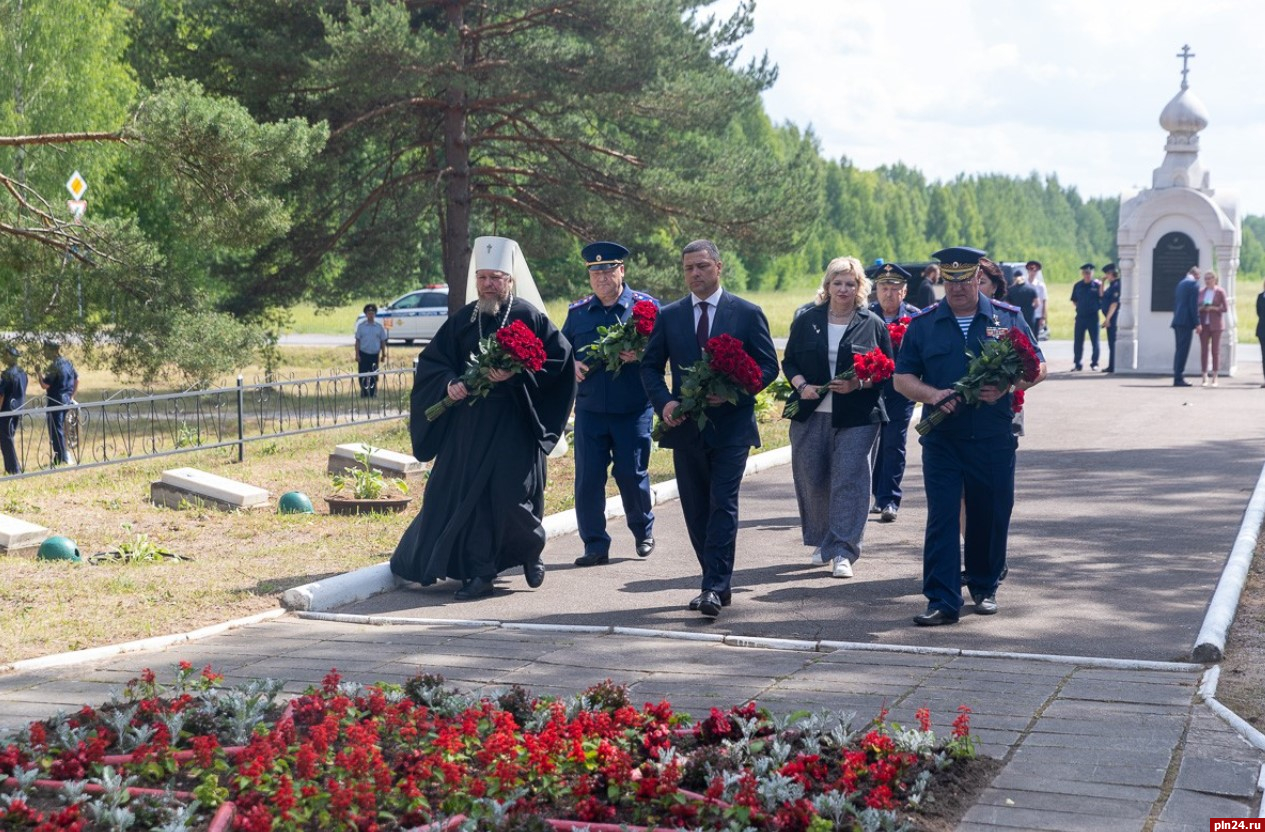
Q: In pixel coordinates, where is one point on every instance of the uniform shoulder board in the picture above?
(639, 296)
(1006, 306)
(930, 308)
(581, 302)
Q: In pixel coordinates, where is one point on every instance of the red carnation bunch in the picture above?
(1000, 363)
(628, 336)
(725, 370)
(514, 348)
(1016, 402)
(874, 367)
(896, 329)
(644, 314)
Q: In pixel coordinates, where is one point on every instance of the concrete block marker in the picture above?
(183, 487)
(387, 463)
(19, 536)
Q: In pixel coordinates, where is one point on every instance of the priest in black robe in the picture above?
(484, 500)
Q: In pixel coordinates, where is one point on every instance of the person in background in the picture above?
(1185, 322)
(834, 436)
(371, 351)
(1111, 311)
(1023, 295)
(991, 283)
(924, 294)
(1087, 298)
(1212, 312)
(613, 416)
(1260, 328)
(60, 383)
(12, 396)
(1037, 281)
(889, 467)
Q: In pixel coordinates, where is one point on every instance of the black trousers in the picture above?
(8, 428)
(368, 363)
(1111, 349)
(1182, 335)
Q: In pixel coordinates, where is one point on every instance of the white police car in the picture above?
(416, 316)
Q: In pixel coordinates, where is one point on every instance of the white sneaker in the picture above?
(842, 568)
(818, 559)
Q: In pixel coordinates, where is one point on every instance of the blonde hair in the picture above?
(1215, 278)
(845, 265)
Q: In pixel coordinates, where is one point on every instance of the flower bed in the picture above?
(420, 756)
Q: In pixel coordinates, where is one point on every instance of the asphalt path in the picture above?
(1128, 499)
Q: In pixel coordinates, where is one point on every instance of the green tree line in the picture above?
(245, 156)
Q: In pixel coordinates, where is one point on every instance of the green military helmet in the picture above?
(58, 548)
(294, 502)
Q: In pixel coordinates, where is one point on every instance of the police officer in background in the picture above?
(1087, 298)
(371, 351)
(1111, 311)
(60, 383)
(12, 396)
(613, 416)
(970, 453)
(891, 282)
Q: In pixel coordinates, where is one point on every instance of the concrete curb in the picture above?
(155, 643)
(374, 580)
(803, 646)
(1210, 644)
(1245, 729)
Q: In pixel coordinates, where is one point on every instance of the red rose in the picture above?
(644, 314)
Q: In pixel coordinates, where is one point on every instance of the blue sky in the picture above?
(1070, 87)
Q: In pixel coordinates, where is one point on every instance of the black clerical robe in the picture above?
(484, 498)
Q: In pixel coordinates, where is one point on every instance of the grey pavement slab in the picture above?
(1229, 778)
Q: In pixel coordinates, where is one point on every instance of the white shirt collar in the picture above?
(713, 299)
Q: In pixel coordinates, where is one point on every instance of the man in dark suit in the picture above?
(1185, 322)
(709, 463)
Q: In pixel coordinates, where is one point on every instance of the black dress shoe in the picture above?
(1181, 382)
(935, 618)
(1093, 367)
(534, 572)
(709, 604)
(725, 598)
(593, 559)
(476, 588)
(645, 547)
(985, 604)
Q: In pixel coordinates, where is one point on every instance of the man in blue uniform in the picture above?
(972, 452)
(613, 417)
(60, 383)
(1111, 311)
(1087, 298)
(12, 396)
(891, 281)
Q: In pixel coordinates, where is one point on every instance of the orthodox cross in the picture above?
(1185, 55)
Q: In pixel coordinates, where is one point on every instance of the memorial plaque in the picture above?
(1172, 257)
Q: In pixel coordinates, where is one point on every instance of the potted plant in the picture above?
(370, 490)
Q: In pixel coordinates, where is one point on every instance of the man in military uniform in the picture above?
(972, 452)
(1087, 298)
(613, 416)
(1111, 311)
(12, 396)
(891, 281)
(60, 383)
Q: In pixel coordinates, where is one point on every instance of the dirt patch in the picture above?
(1242, 684)
(954, 792)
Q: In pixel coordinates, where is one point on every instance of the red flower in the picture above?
(513, 347)
(1016, 401)
(896, 329)
(522, 345)
(644, 314)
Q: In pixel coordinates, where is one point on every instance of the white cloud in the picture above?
(1071, 87)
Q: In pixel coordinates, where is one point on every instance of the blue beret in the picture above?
(603, 255)
(959, 263)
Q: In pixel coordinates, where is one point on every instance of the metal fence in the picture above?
(118, 430)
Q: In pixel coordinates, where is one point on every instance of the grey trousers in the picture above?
(832, 469)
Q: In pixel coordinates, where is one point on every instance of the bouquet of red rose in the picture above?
(629, 336)
(896, 329)
(1000, 363)
(874, 367)
(514, 348)
(725, 370)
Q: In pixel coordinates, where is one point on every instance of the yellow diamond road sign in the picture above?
(76, 185)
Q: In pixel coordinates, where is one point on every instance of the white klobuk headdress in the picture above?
(503, 255)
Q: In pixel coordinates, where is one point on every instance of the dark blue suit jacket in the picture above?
(1186, 304)
(673, 340)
